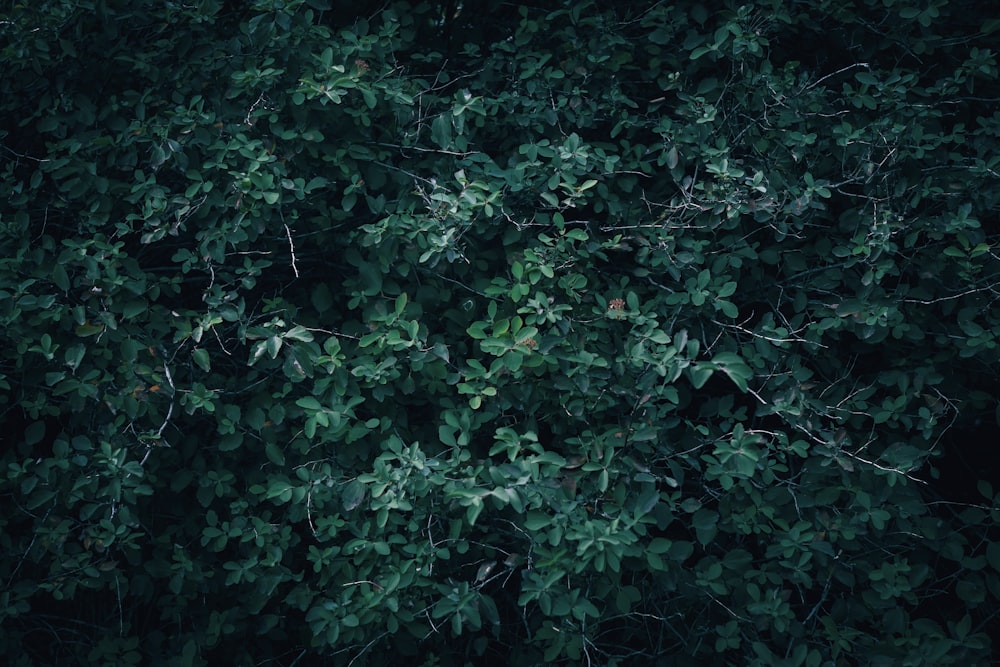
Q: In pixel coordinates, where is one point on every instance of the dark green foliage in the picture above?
(493, 333)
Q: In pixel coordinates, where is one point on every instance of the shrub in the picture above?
(497, 334)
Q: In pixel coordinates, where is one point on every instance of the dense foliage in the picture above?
(610, 333)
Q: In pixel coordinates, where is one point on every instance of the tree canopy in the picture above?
(476, 332)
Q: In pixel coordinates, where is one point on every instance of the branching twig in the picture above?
(832, 74)
(769, 338)
(929, 302)
(170, 412)
(367, 646)
(253, 107)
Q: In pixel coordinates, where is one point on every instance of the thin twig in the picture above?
(121, 616)
(170, 412)
(367, 646)
(831, 74)
(291, 247)
(922, 302)
(312, 527)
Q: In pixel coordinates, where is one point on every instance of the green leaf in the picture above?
(673, 157)
(970, 590)
(322, 298)
(963, 627)
(537, 520)
(299, 333)
(727, 289)
(274, 454)
(441, 130)
(525, 333)
(549, 198)
(993, 555)
(369, 97)
(866, 78)
(728, 308)
(705, 523)
(34, 433)
(87, 329)
(513, 360)
(315, 183)
(309, 403)
(648, 499)
(353, 495)
(734, 366)
(659, 545)
(551, 459)
(473, 510)
(134, 308)
(273, 345)
(699, 374)
(60, 277)
(200, 356)
(477, 330)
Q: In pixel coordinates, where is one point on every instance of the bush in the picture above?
(624, 334)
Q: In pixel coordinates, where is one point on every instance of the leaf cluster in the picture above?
(485, 333)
